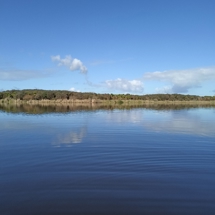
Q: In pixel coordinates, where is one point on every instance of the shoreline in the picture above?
(47, 106)
(102, 102)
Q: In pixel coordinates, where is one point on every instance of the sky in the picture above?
(131, 46)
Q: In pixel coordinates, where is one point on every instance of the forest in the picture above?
(37, 94)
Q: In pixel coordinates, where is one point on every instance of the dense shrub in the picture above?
(38, 94)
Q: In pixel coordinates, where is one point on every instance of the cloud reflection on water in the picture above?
(185, 122)
(74, 128)
(171, 121)
(72, 137)
(125, 116)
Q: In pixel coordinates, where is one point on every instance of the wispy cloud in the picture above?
(100, 62)
(182, 80)
(73, 64)
(123, 85)
(20, 75)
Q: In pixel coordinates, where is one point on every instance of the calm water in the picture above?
(135, 161)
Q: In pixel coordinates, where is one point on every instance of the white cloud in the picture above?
(183, 80)
(73, 89)
(164, 90)
(125, 85)
(72, 63)
(20, 75)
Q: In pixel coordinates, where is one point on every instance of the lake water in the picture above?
(107, 161)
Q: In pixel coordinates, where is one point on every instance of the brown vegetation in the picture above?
(62, 96)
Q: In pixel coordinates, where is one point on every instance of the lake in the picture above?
(141, 160)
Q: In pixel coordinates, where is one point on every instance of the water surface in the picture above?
(107, 161)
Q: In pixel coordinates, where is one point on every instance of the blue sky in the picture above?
(137, 47)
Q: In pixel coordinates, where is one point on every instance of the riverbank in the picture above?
(103, 102)
(44, 107)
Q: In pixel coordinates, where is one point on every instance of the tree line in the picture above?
(37, 94)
